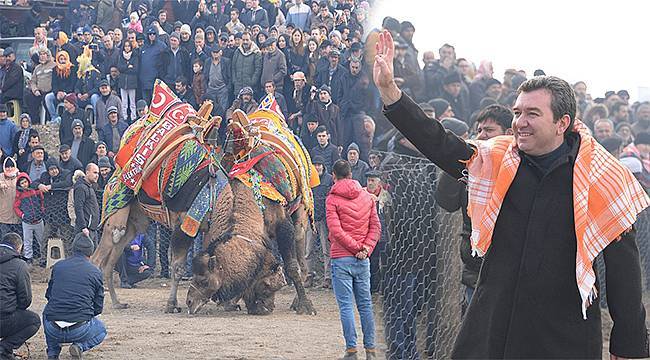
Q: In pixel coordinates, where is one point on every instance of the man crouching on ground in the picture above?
(75, 297)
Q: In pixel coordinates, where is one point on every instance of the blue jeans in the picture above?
(87, 336)
(351, 278)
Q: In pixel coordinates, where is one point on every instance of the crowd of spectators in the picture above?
(93, 66)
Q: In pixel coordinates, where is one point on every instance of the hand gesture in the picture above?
(383, 72)
(135, 247)
(86, 232)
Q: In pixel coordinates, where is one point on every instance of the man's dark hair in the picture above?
(563, 99)
(12, 239)
(499, 113)
(617, 106)
(321, 129)
(182, 79)
(342, 169)
(162, 11)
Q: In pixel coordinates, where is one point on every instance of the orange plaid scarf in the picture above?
(606, 199)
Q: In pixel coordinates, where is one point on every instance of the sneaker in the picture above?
(76, 352)
(126, 285)
(371, 354)
(7, 355)
(350, 354)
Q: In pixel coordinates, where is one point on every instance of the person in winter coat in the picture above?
(359, 167)
(354, 230)
(308, 132)
(21, 142)
(152, 56)
(112, 132)
(17, 324)
(55, 185)
(64, 80)
(129, 66)
(199, 83)
(176, 60)
(9, 221)
(217, 74)
(105, 101)
(86, 207)
(14, 81)
(313, 238)
(274, 66)
(72, 112)
(536, 286)
(325, 149)
(244, 102)
(8, 131)
(256, 15)
(246, 65)
(329, 115)
(30, 208)
(131, 264)
(82, 146)
(67, 161)
(40, 83)
(75, 296)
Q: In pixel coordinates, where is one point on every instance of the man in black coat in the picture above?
(86, 207)
(527, 303)
(176, 60)
(14, 82)
(83, 148)
(72, 112)
(17, 324)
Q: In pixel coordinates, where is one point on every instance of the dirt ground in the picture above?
(144, 331)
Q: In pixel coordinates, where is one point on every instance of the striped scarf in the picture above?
(606, 199)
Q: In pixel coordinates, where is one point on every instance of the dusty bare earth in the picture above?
(144, 331)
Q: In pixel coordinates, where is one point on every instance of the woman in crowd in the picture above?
(128, 65)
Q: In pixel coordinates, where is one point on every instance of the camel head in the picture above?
(206, 281)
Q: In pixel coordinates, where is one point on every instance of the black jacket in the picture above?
(14, 83)
(71, 165)
(64, 84)
(128, 79)
(176, 65)
(65, 130)
(526, 303)
(86, 151)
(86, 207)
(329, 154)
(75, 291)
(56, 200)
(15, 284)
(320, 194)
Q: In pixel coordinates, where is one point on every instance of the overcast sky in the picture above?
(606, 44)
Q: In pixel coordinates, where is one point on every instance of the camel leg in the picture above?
(109, 265)
(301, 225)
(180, 244)
(112, 240)
(286, 244)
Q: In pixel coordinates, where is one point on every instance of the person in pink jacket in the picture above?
(354, 230)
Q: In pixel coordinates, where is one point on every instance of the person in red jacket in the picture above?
(354, 230)
(30, 208)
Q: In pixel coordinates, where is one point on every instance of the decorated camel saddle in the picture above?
(166, 163)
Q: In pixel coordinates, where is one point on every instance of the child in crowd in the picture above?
(30, 208)
(134, 22)
(198, 82)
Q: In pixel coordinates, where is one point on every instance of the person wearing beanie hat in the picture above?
(459, 128)
(177, 60)
(359, 167)
(458, 99)
(441, 108)
(141, 108)
(72, 112)
(151, 58)
(75, 298)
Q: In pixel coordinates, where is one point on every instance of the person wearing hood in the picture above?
(9, 221)
(246, 65)
(152, 56)
(8, 131)
(354, 230)
(320, 225)
(75, 296)
(274, 66)
(55, 184)
(30, 207)
(359, 167)
(17, 324)
(64, 80)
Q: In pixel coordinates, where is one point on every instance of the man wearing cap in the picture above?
(141, 108)
(9, 221)
(452, 92)
(75, 295)
(217, 74)
(299, 99)
(246, 65)
(8, 131)
(112, 132)
(81, 145)
(332, 76)
(359, 167)
(17, 324)
(72, 112)
(14, 81)
(176, 59)
(151, 56)
(105, 101)
(67, 161)
(274, 66)
(55, 185)
(36, 167)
